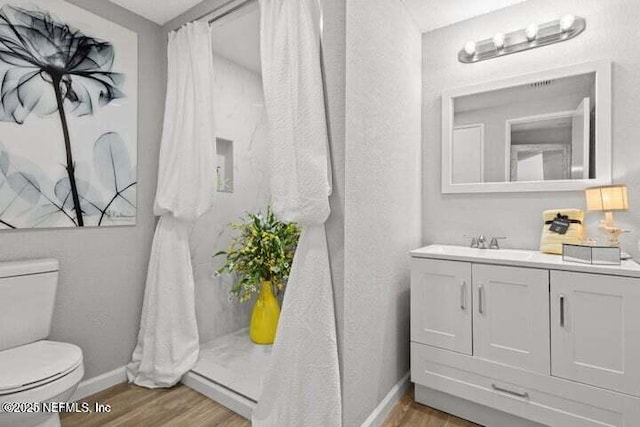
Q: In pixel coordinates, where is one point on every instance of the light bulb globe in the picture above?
(566, 22)
(470, 48)
(532, 31)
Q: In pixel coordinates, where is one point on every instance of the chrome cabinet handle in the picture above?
(562, 320)
(480, 299)
(522, 394)
(463, 295)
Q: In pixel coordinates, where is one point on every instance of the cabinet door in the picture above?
(595, 330)
(511, 316)
(441, 304)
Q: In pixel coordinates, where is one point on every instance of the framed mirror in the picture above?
(546, 131)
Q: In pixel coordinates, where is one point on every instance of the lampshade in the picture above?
(607, 198)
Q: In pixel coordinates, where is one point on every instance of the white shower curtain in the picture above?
(168, 341)
(302, 386)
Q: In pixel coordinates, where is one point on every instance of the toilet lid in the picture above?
(34, 364)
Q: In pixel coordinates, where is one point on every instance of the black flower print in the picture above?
(48, 67)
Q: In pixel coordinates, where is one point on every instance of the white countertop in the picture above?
(522, 258)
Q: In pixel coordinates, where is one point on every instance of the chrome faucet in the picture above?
(494, 242)
(480, 242)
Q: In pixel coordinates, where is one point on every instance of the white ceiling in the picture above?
(158, 11)
(432, 14)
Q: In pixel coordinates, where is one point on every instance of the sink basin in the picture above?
(512, 254)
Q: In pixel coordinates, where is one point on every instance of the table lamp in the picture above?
(608, 199)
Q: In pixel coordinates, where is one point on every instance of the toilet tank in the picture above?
(27, 295)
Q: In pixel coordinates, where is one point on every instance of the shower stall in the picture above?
(190, 329)
(230, 367)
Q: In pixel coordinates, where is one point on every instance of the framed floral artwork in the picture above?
(68, 117)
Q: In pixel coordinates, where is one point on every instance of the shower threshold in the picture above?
(230, 371)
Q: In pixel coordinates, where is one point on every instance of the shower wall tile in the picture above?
(240, 118)
(216, 314)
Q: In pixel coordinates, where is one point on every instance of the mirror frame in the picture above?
(603, 131)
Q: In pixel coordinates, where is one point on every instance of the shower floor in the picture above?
(235, 363)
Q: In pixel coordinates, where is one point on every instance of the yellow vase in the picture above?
(265, 315)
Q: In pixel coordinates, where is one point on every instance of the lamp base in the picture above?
(613, 233)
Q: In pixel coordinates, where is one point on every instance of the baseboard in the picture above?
(238, 403)
(99, 383)
(377, 417)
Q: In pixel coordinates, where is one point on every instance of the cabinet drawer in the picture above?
(531, 396)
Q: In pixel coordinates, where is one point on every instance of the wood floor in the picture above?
(140, 407)
(411, 414)
(180, 406)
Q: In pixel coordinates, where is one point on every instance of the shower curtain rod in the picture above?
(235, 8)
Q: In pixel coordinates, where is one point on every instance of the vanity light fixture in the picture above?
(535, 35)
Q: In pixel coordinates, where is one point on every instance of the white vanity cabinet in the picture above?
(519, 338)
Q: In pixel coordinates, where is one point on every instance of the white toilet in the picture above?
(33, 369)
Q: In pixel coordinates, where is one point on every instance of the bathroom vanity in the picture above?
(514, 337)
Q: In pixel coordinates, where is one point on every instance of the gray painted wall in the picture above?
(609, 35)
(103, 269)
(334, 51)
(382, 198)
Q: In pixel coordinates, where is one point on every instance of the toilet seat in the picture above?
(37, 364)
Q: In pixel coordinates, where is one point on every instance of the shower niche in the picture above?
(224, 169)
(230, 367)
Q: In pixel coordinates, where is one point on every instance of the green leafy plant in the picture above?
(263, 251)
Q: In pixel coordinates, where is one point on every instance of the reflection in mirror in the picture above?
(539, 131)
